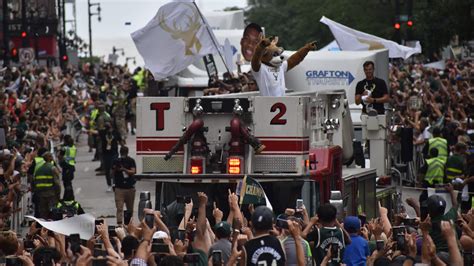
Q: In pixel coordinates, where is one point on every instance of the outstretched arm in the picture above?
(297, 57)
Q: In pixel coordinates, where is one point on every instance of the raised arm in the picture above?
(259, 52)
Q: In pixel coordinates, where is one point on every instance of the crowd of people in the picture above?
(438, 105)
(290, 238)
(44, 111)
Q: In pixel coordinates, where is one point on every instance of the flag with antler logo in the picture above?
(176, 37)
(352, 40)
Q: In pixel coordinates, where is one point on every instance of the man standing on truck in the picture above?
(371, 92)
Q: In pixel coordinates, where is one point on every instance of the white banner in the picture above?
(353, 40)
(81, 224)
(174, 39)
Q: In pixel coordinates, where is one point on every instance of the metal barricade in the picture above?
(21, 207)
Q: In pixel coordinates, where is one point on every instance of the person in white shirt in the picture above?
(269, 67)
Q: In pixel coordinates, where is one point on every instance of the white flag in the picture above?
(174, 39)
(353, 40)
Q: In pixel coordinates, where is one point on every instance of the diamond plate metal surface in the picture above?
(159, 165)
(274, 164)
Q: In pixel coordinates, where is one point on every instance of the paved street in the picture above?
(90, 190)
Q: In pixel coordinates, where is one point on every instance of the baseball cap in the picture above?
(223, 228)
(160, 235)
(435, 205)
(352, 223)
(262, 218)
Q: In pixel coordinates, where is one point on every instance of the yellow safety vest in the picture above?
(44, 178)
(94, 114)
(70, 155)
(39, 161)
(435, 172)
(440, 144)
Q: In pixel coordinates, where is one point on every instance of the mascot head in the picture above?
(272, 54)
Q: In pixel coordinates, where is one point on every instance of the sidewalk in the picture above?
(90, 190)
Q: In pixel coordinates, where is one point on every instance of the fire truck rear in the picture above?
(209, 144)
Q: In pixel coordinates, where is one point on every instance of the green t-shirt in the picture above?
(435, 232)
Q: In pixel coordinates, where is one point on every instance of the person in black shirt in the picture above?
(110, 138)
(263, 249)
(123, 171)
(371, 92)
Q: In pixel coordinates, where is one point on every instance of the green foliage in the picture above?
(296, 22)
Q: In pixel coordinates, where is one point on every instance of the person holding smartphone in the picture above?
(223, 231)
(357, 251)
(123, 171)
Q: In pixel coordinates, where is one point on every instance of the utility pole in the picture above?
(89, 5)
(6, 34)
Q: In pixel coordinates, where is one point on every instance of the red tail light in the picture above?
(233, 165)
(196, 166)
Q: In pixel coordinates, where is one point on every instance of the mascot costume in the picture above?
(269, 66)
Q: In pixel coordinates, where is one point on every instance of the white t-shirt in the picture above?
(271, 80)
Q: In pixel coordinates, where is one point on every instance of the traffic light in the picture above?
(396, 25)
(14, 54)
(24, 34)
(410, 23)
(64, 58)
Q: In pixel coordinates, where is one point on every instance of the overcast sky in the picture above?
(112, 31)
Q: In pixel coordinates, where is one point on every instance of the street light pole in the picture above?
(89, 5)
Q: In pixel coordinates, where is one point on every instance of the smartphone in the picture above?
(99, 253)
(160, 248)
(396, 231)
(97, 222)
(281, 223)
(217, 258)
(299, 204)
(99, 261)
(334, 250)
(127, 216)
(191, 258)
(409, 221)
(363, 219)
(181, 235)
(150, 220)
(75, 243)
(380, 244)
(187, 199)
(111, 230)
(28, 244)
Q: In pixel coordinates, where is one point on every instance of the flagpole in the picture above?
(210, 35)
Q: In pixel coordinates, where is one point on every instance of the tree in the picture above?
(297, 21)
